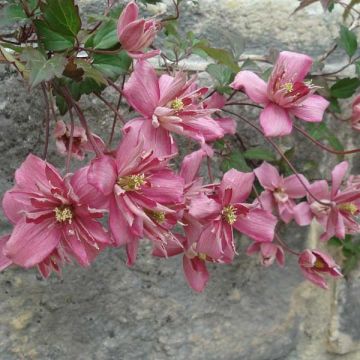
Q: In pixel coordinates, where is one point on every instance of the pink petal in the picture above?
(131, 252)
(275, 121)
(240, 183)
(4, 261)
(15, 205)
(138, 55)
(102, 174)
(203, 208)
(227, 124)
(191, 164)
(294, 188)
(128, 15)
(171, 87)
(337, 176)
(320, 189)
(210, 241)
(253, 86)
(215, 101)
(315, 278)
(268, 176)
(31, 243)
(303, 214)
(196, 273)
(142, 89)
(258, 225)
(311, 109)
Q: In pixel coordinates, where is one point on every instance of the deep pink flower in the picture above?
(268, 253)
(52, 217)
(80, 143)
(224, 210)
(285, 95)
(355, 117)
(144, 195)
(339, 209)
(279, 191)
(314, 264)
(170, 105)
(135, 34)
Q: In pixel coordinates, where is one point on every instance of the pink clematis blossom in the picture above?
(52, 218)
(355, 117)
(145, 196)
(279, 192)
(338, 210)
(170, 105)
(80, 143)
(314, 263)
(268, 253)
(285, 95)
(224, 210)
(135, 34)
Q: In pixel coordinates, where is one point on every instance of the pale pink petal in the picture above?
(15, 205)
(275, 121)
(128, 15)
(202, 207)
(319, 189)
(268, 176)
(315, 278)
(311, 109)
(138, 55)
(267, 201)
(215, 101)
(102, 174)
(196, 273)
(171, 87)
(294, 187)
(210, 241)
(4, 261)
(191, 164)
(303, 214)
(227, 124)
(337, 176)
(31, 243)
(253, 86)
(258, 225)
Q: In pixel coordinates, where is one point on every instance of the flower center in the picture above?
(319, 264)
(288, 87)
(177, 104)
(131, 182)
(63, 214)
(158, 216)
(229, 214)
(280, 195)
(202, 256)
(349, 208)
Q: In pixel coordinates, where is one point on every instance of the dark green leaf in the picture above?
(334, 241)
(259, 153)
(335, 105)
(348, 40)
(112, 66)
(345, 88)
(52, 40)
(220, 73)
(250, 65)
(91, 72)
(235, 161)
(357, 68)
(106, 36)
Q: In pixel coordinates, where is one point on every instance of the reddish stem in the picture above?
(72, 126)
(47, 121)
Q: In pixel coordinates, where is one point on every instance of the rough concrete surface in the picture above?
(110, 312)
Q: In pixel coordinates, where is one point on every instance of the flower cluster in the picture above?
(135, 190)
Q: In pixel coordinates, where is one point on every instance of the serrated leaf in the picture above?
(259, 153)
(334, 241)
(52, 40)
(250, 65)
(235, 161)
(348, 40)
(91, 72)
(112, 66)
(220, 73)
(11, 13)
(344, 88)
(106, 36)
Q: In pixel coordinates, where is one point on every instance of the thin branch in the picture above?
(47, 121)
(72, 126)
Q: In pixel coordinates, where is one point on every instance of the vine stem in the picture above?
(47, 121)
(72, 126)
(278, 150)
(111, 107)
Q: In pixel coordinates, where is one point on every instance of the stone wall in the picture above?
(148, 312)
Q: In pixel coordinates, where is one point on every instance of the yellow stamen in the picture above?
(202, 256)
(177, 104)
(63, 214)
(289, 87)
(131, 182)
(158, 216)
(319, 264)
(229, 214)
(349, 207)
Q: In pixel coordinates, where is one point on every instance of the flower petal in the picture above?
(268, 176)
(294, 188)
(275, 121)
(311, 109)
(102, 174)
(191, 164)
(337, 176)
(196, 273)
(4, 261)
(303, 214)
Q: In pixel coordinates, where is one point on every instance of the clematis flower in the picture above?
(338, 210)
(52, 218)
(279, 191)
(355, 117)
(80, 143)
(268, 253)
(135, 34)
(314, 264)
(224, 210)
(285, 95)
(144, 195)
(169, 105)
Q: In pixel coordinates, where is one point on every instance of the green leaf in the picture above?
(349, 264)
(235, 161)
(42, 69)
(62, 16)
(52, 40)
(11, 14)
(334, 241)
(335, 105)
(222, 56)
(112, 66)
(106, 36)
(344, 88)
(91, 72)
(259, 153)
(13, 60)
(220, 73)
(348, 40)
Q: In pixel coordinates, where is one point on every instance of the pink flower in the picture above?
(355, 117)
(286, 95)
(224, 210)
(338, 210)
(313, 263)
(135, 34)
(52, 218)
(80, 143)
(145, 196)
(4, 261)
(268, 252)
(279, 192)
(170, 105)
